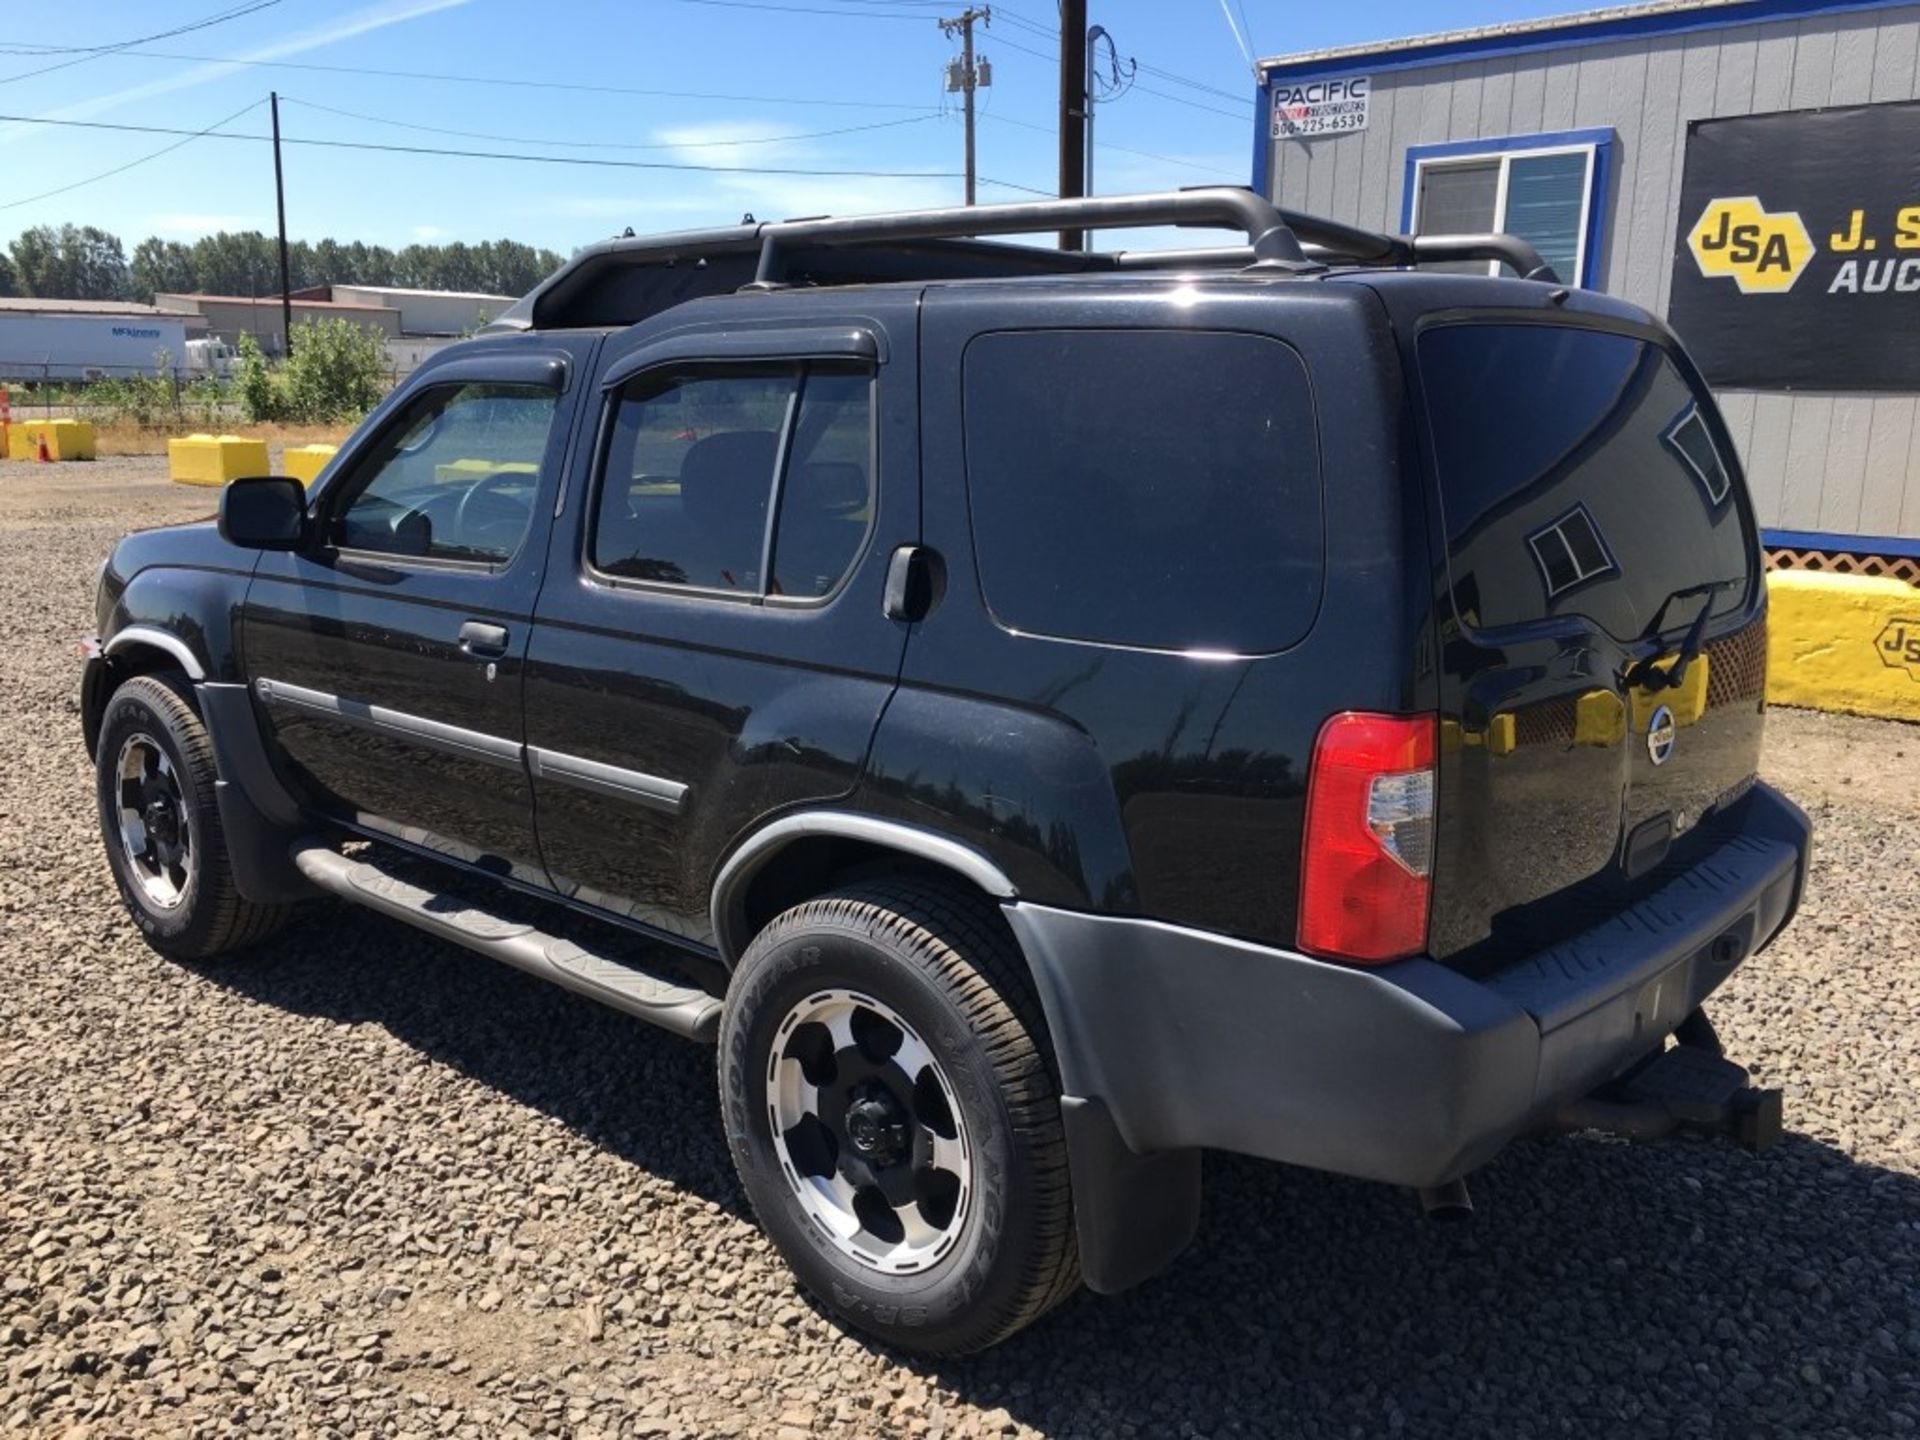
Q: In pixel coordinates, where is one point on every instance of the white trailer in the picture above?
(88, 347)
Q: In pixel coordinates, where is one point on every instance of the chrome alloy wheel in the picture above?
(869, 1135)
(156, 825)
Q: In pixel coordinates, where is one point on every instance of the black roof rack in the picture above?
(621, 281)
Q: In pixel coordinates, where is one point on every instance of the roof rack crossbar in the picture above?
(1230, 207)
(1360, 248)
(1371, 247)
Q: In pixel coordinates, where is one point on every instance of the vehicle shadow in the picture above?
(1601, 1288)
(1686, 1288)
(638, 1093)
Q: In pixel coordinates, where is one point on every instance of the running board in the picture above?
(686, 1011)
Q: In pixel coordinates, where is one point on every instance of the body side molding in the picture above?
(611, 780)
(753, 853)
(434, 734)
(130, 635)
(633, 785)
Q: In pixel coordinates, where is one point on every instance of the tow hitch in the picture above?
(1687, 1087)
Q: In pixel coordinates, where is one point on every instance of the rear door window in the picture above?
(1155, 489)
(694, 460)
(1579, 473)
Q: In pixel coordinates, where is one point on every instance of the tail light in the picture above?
(1367, 866)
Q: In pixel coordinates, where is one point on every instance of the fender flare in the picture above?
(762, 846)
(129, 636)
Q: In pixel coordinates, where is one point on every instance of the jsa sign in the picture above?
(1320, 107)
(1798, 264)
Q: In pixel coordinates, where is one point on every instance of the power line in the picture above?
(513, 82)
(1020, 22)
(84, 53)
(120, 169)
(806, 10)
(1194, 84)
(610, 144)
(1123, 149)
(597, 161)
(1246, 49)
(1143, 89)
(1010, 185)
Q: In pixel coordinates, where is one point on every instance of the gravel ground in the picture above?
(366, 1184)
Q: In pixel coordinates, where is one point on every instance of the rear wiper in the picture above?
(1647, 674)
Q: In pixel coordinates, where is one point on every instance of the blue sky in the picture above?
(872, 64)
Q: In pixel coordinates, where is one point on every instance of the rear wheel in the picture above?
(158, 815)
(894, 1118)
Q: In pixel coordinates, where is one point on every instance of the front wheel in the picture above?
(894, 1117)
(155, 778)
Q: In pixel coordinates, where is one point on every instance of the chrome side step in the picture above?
(683, 1009)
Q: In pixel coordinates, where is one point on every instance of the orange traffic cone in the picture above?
(43, 455)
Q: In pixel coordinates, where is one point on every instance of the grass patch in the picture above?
(125, 437)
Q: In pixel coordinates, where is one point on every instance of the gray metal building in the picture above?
(1577, 132)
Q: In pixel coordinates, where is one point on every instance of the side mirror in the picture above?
(264, 512)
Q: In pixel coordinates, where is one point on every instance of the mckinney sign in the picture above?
(135, 332)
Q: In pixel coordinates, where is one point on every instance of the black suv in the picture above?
(1063, 711)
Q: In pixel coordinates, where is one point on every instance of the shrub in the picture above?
(259, 396)
(336, 372)
(148, 401)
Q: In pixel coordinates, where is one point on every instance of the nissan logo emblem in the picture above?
(1660, 733)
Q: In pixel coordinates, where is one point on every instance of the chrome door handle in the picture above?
(483, 641)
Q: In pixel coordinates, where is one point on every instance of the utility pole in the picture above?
(1073, 110)
(966, 76)
(280, 202)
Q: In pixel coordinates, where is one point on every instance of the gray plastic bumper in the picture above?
(1408, 1073)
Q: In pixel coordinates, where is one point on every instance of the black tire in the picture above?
(208, 916)
(945, 963)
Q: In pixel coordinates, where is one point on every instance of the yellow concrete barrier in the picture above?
(1599, 719)
(66, 439)
(1688, 701)
(215, 459)
(305, 462)
(1844, 642)
(475, 469)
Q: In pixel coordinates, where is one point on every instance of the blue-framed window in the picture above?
(1549, 189)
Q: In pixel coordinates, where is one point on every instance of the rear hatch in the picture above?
(1601, 639)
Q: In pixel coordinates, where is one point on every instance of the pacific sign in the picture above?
(1312, 108)
(1798, 254)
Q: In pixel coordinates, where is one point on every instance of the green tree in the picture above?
(236, 263)
(36, 260)
(87, 263)
(161, 266)
(72, 262)
(8, 284)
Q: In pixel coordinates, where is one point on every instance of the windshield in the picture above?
(1580, 474)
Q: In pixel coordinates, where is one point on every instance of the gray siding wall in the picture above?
(1844, 463)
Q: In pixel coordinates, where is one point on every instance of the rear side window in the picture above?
(1579, 473)
(695, 461)
(1157, 489)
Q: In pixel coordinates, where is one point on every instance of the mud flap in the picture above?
(1133, 1213)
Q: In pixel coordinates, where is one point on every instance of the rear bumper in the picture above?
(1408, 1073)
